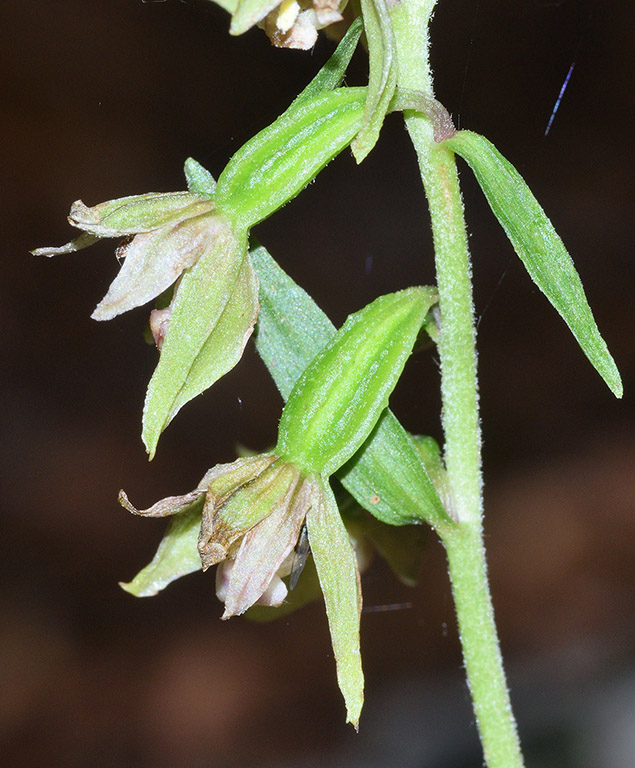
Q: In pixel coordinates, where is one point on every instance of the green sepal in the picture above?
(279, 162)
(339, 580)
(248, 13)
(176, 556)
(212, 316)
(85, 240)
(332, 73)
(382, 79)
(538, 246)
(336, 402)
(137, 213)
(291, 331)
(200, 181)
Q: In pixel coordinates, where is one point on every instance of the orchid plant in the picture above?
(277, 529)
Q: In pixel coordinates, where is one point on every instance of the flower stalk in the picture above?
(459, 390)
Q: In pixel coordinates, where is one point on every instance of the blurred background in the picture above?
(107, 98)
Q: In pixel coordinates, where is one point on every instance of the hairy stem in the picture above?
(459, 391)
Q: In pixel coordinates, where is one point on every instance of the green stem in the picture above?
(459, 391)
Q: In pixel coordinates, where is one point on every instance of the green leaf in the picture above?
(538, 245)
(332, 73)
(336, 402)
(200, 181)
(382, 79)
(212, 316)
(176, 556)
(291, 328)
(339, 580)
(278, 163)
(291, 331)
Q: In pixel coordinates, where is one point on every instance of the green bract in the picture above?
(538, 245)
(382, 78)
(278, 163)
(336, 402)
(386, 476)
(332, 73)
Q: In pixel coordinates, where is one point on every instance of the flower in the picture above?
(253, 513)
(170, 237)
(166, 233)
(288, 24)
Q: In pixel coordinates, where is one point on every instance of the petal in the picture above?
(153, 261)
(272, 597)
(339, 579)
(227, 518)
(139, 213)
(265, 548)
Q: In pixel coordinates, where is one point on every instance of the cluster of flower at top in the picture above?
(288, 24)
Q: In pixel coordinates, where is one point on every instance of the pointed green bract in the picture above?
(279, 162)
(538, 245)
(382, 78)
(291, 328)
(200, 181)
(291, 331)
(176, 556)
(339, 580)
(211, 306)
(332, 73)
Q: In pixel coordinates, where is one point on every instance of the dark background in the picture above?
(107, 98)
